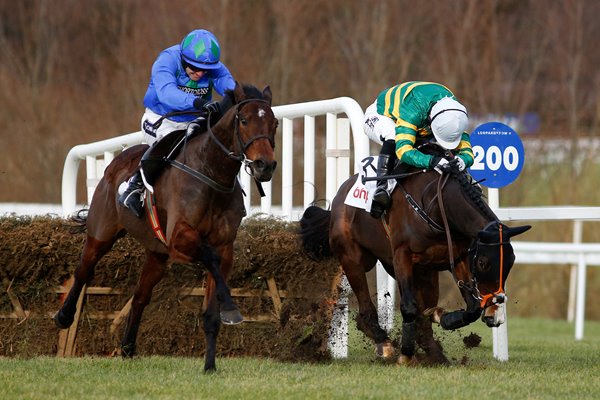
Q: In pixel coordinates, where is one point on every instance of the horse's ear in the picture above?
(267, 95)
(517, 230)
(238, 92)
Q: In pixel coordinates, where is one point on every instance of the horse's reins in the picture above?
(230, 153)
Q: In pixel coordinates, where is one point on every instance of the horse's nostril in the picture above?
(259, 165)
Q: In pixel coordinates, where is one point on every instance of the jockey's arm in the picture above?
(465, 151)
(406, 135)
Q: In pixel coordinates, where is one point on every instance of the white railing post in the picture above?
(287, 168)
(577, 236)
(309, 161)
(580, 311)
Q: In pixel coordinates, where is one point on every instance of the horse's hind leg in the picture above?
(152, 273)
(93, 251)
(367, 320)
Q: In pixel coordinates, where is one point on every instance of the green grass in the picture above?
(545, 363)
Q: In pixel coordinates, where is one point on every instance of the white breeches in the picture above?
(167, 126)
(378, 128)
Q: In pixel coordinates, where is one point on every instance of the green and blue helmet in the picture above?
(201, 49)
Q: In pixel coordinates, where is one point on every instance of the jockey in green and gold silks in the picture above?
(412, 110)
(409, 105)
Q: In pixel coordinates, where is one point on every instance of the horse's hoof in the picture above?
(406, 360)
(231, 317)
(385, 350)
(434, 314)
(62, 323)
(128, 350)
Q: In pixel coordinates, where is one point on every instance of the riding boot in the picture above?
(385, 164)
(131, 197)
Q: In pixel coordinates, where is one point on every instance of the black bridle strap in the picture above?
(441, 184)
(420, 212)
(243, 146)
(203, 178)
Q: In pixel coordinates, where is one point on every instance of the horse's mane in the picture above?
(471, 191)
(228, 100)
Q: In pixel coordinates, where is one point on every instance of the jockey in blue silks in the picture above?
(183, 79)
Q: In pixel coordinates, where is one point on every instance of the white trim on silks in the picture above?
(361, 195)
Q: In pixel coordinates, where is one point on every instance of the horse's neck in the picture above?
(204, 154)
(470, 211)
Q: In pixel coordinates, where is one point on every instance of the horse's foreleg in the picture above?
(460, 318)
(230, 314)
(218, 304)
(427, 294)
(212, 326)
(403, 269)
(93, 251)
(152, 273)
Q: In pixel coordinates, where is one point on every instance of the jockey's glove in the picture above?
(460, 163)
(199, 103)
(213, 107)
(439, 164)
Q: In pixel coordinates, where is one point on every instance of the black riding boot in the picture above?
(131, 197)
(385, 164)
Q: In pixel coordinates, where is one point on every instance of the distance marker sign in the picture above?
(499, 154)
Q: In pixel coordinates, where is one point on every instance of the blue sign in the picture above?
(499, 154)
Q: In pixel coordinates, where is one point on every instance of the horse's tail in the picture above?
(78, 222)
(314, 231)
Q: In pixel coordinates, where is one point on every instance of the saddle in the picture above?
(157, 157)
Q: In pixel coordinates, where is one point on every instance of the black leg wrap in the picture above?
(408, 338)
(458, 319)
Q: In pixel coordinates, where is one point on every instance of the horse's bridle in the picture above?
(243, 146)
(499, 296)
(230, 153)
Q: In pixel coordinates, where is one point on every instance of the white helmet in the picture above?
(448, 119)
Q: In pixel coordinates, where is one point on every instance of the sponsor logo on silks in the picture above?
(195, 91)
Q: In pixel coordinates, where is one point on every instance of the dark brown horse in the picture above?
(428, 212)
(199, 206)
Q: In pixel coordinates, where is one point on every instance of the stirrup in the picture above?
(133, 202)
(379, 207)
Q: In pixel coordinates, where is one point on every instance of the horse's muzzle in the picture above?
(494, 316)
(262, 170)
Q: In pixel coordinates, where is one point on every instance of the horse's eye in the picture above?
(483, 264)
(243, 121)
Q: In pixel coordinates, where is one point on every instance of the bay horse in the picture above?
(199, 205)
(429, 211)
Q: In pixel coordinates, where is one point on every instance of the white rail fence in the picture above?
(338, 167)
